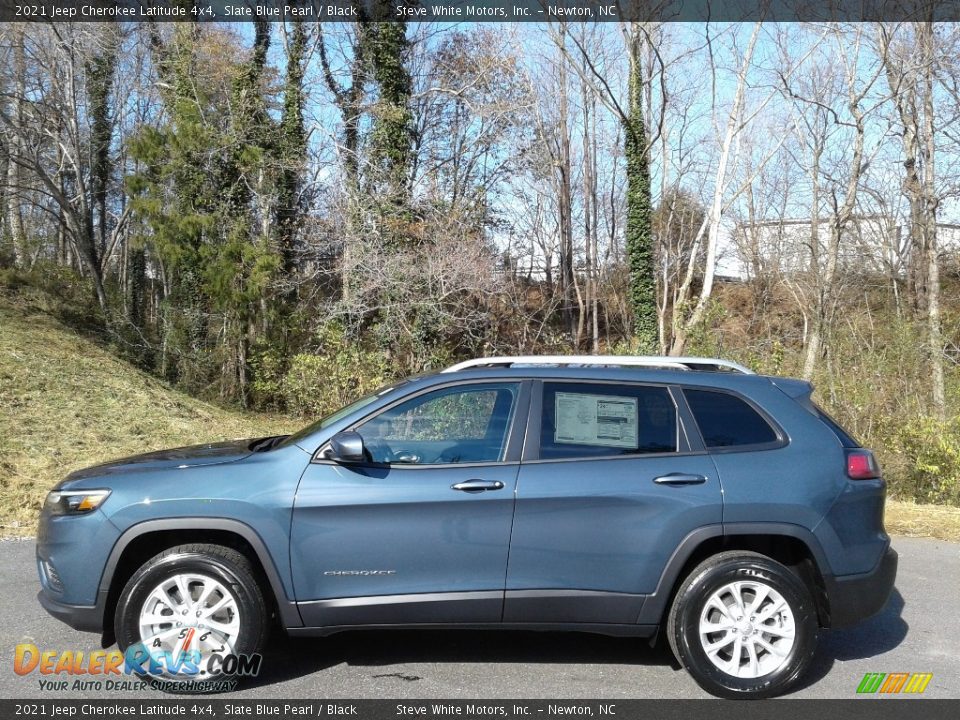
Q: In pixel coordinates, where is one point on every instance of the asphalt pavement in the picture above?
(918, 631)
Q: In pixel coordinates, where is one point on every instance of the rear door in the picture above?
(609, 486)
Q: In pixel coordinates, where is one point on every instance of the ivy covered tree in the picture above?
(101, 69)
(639, 216)
(392, 132)
(290, 150)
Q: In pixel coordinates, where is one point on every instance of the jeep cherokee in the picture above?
(621, 495)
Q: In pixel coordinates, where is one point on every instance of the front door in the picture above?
(613, 489)
(420, 532)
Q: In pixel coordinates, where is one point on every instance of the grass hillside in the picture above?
(66, 403)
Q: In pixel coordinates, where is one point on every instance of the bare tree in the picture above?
(348, 99)
(735, 124)
(688, 312)
(46, 117)
(910, 57)
(845, 80)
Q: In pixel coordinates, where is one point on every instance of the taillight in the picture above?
(861, 465)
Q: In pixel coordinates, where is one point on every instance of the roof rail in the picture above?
(675, 363)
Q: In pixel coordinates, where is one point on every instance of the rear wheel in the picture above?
(743, 625)
(188, 603)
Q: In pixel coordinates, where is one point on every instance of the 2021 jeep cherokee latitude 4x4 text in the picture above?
(626, 496)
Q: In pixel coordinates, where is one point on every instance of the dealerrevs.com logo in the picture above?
(112, 670)
(894, 683)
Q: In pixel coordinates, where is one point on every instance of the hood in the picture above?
(192, 456)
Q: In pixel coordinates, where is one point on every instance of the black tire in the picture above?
(683, 624)
(225, 565)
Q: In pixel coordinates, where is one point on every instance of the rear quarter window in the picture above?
(727, 421)
(845, 438)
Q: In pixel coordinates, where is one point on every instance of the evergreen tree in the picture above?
(195, 196)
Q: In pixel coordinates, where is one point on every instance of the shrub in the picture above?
(336, 373)
(269, 368)
(930, 450)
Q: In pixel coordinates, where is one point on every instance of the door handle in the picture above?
(680, 479)
(473, 486)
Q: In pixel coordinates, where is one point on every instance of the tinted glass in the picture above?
(727, 421)
(599, 420)
(467, 423)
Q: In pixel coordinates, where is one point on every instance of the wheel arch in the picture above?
(144, 540)
(791, 545)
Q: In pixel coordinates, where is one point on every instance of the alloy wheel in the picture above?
(187, 612)
(747, 629)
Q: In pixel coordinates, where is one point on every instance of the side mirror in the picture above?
(346, 447)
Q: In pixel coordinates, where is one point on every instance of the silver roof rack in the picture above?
(652, 361)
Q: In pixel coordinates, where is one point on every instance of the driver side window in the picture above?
(462, 424)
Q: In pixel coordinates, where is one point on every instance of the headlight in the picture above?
(74, 502)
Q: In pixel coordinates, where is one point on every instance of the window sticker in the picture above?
(606, 420)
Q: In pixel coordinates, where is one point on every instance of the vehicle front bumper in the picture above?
(87, 618)
(852, 598)
(75, 549)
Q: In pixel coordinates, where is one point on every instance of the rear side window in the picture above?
(727, 421)
(582, 420)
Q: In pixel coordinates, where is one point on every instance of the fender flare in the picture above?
(655, 604)
(289, 614)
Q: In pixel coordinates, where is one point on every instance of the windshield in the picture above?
(341, 413)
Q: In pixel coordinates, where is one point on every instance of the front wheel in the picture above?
(187, 604)
(743, 625)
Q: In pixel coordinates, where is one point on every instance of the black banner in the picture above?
(200, 707)
(467, 11)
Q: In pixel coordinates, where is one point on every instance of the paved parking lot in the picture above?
(919, 631)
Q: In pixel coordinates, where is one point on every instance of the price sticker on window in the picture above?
(606, 420)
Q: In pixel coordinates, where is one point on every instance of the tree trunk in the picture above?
(136, 283)
(567, 289)
(639, 230)
(931, 203)
(15, 149)
(100, 73)
(590, 213)
(815, 334)
(292, 155)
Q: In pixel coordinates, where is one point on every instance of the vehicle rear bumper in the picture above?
(853, 598)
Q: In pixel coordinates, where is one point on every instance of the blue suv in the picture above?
(684, 497)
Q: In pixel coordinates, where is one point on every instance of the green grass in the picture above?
(66, 403)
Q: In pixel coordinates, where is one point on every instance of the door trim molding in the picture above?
(368, 600)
